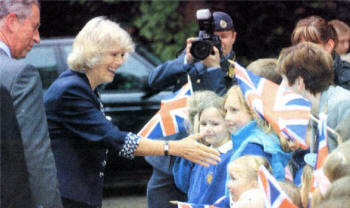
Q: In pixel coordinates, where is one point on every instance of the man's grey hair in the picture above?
(22, 8)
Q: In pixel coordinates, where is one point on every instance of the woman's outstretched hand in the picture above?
(194, 151)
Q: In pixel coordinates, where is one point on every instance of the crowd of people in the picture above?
(54, 146)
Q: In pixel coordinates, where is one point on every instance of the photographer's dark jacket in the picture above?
(174, 73)
(341, 72)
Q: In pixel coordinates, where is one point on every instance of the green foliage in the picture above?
(163, 27)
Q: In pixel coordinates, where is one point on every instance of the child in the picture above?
(243, 173)
(251, 198)
(243, 177)
(253, 136)
(204, 185)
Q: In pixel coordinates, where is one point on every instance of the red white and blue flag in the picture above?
(322, 151)
(318, 180)
(274, 195)
(190, 205)
(170, 117)
(287, 112)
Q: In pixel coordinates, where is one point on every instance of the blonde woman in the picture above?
(81, 135)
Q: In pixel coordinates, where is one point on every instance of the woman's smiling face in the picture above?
(111, 60)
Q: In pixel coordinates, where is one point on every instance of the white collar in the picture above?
(225, 147)
(4, 47)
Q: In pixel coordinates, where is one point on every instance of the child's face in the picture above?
(251, 198)
(239, 182)
(236, 114)
(212, 123)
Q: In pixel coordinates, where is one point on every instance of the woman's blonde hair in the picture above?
(97, 37)
(236, 91)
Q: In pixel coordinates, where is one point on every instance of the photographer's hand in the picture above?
(213, 60)
(189, 57)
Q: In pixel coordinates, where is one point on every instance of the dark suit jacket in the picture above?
(23, 83)
(15, 190)
(80, 135)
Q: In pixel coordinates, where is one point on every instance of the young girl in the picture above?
(243, 177)
(253, 136)
(204, 185)
(251, 198)
(243, 173)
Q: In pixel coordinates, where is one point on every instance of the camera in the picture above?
(203, 46)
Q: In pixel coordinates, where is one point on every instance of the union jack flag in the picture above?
(322, 152)
(170, 117)
(322, 141)
(274, 195)
(287, 112)
(190, 205)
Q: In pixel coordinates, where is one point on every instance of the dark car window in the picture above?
(44, 59)
(66, 49)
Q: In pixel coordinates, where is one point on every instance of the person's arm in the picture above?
(76, 111)
(187, 148)
(27, 96)
(166, 74)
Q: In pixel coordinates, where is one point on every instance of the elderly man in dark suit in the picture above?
(19, 23)
(15, 190)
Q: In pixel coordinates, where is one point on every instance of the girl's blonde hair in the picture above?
(198, 102)
(306, 182)
(251, 164)
(236, 91)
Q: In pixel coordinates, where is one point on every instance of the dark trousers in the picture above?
(161, 189)
(70, 203)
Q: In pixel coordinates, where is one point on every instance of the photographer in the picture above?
(207, 74)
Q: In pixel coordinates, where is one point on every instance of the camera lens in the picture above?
(201, 49)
